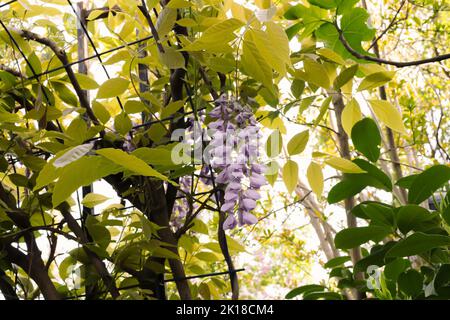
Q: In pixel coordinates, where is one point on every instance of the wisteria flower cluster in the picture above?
(234, 151)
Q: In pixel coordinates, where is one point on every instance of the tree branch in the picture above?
(398, 64)
(62, 56)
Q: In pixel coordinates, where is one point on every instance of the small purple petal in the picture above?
(248, 218)
(230, 222)
(228, 206)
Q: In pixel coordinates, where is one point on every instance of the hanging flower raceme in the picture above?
(234, 151)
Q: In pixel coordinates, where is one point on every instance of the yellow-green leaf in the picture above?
(254, 63)
(166, 21)
(316, 73)
(93, 199)
(122, 123)
(216, 37)
(100, 112)
(273, 44)
(388, 114)
(330, 55)
(298, 143)
(175, 4)
(343, 165)
(290, 175)
(134, 106)
(171, 108)
(86, 82)
(315, 178)
(376, 79)
(350, 115)
(274, 143)
(112, 88)
(172, 58)
(130, 162)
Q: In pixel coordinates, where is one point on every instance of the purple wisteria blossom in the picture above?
(234, 150)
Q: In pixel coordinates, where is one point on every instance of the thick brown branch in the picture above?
(398, 64)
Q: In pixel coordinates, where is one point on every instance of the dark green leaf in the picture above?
(394, 268)
(410, 282)
(353, 237)
(427, 182)
(367, 139)
(376, 257)
(304, 289)
(411, 217)
(335, 262)
(418, 243)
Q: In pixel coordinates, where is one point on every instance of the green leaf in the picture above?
(376, 257)
(130, 162)
(345, 76)
(346, 188)
(353, 237)
(322, 295)
(18, 179)
(412, 217)
(367, 139)
(427, 182)
(336, 262)
(355, 30)
(65, 93)
(376, 79)
(81, 173)
(122, 123)
(379, 214)
(295, 12)
(446, 215)
(382, 181)
(304, 289)
(418, 243)
(410, 282)
(394, 268)
(112, 88)
(388, 114)
(406, 182)
(326, 4)
(290, 175)
(297, 88)
(298, 143)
